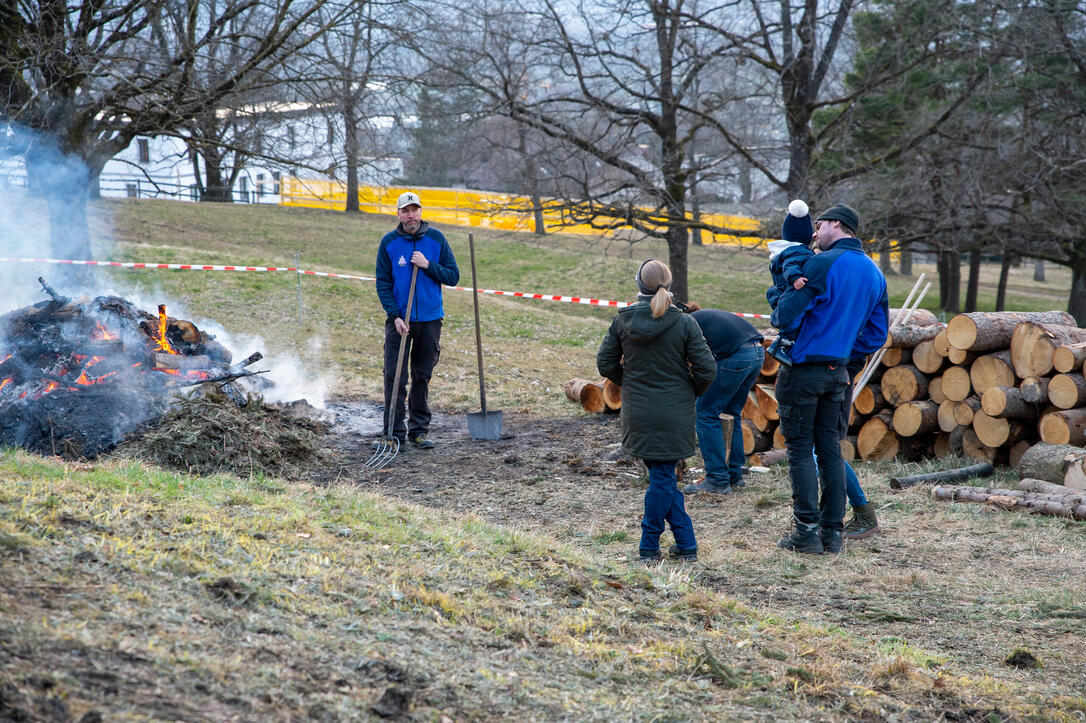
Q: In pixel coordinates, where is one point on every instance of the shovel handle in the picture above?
(478, 335)
(399, 355)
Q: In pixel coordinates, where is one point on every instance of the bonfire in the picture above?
(79, 376)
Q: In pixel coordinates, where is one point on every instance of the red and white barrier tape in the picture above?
(218, 267)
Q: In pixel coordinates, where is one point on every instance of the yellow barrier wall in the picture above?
(476, 208)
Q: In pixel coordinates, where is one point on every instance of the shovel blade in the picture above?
(485, 425)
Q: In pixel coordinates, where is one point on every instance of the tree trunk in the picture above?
(876, 440)
(677, 259)
(1009, 499)
(913, 418)
(1039, 270)
(216, 188)
(350, 150)
(63, 180)
(965, 410)
(884, 257)
(1076, 303)
(1067, 391)
(992, 370)
(972, 288)
(1064, 427)
(1001, 290)
(904, 383)
(1008, 402)
(587, 393)
(926, 359)
(906, 262)
(956, 384)
(950, 279)
(1050, 462)
(1034, 389)
(983, 331)
(1033, 346)
(909, 335)
(947, 475)
(1069, 358)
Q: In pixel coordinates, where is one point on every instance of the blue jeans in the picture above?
(811, 407)
(735, 375)
(664, 502)
(853, 491)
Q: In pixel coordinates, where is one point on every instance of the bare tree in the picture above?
(81, 80)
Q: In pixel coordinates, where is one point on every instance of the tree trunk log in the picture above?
(917, 417)
(1050, 462)
(984, 331)
(942, 346)
(997, 431)
(848, 448)
(1045, 488)
(961, 357)
(1064, 427)
(965, 410)
(612, 395)
(767, 400)
(992, 370)
(1009, 499)
(895, 355)
(909, 335)
(1069, 358)
(870, 399)
(956, 384)
(1067, 391)
(919, 317)
(978, 451)
(935, 390)
(947, 422)
(1018, 449)
(753, 412)
(903, 383)
(1034, 390)
(947, 475)
(1033, 346)
(926, 359)
(769, 457)
(587, 393)
(779, 442)
(1008, 402)
(754, 439)
(949, 444)
(876, 440)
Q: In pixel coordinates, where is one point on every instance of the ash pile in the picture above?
(79, 376)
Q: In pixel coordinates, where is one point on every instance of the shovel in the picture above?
(484, 424)
(386, 448)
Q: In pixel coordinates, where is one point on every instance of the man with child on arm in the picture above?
(839, 314)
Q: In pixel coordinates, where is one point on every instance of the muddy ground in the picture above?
(968, 582)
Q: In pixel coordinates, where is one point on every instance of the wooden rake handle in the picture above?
(399, 356)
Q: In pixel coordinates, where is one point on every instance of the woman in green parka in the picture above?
(659, 357)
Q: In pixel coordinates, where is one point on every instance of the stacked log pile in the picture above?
(986, 386)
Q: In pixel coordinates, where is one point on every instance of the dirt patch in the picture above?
(945, 583)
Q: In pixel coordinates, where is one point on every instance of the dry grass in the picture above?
(143, 594)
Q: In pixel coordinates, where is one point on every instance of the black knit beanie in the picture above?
(843, 213)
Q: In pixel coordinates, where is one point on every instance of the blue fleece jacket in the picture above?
(394, 272)
(842, 311)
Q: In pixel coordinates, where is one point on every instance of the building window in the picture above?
(276, 177)
(243, 185)
(132, 190)
(144, 150)
(260, 185)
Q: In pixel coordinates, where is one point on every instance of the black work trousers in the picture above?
(423, 341)
(810, 402)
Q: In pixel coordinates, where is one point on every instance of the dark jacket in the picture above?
(662, 365)
(394, 272)
(785, 268)
(842, 311)
(725, 332)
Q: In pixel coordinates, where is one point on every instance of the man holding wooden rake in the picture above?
(840, 314)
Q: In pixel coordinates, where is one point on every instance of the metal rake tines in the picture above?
(387, 449)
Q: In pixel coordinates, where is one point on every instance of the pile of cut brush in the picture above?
(78, 376)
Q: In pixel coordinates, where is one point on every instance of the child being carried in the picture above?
(786, 259)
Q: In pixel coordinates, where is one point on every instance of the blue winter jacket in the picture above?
(842, 311)
(785, 268)
(394, 272)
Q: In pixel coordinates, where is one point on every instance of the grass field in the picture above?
(132, 593)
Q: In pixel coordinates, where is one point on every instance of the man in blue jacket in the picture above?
(840, 314)
(413, 242)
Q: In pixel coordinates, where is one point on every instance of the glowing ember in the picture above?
(5, 382)
(103, 333)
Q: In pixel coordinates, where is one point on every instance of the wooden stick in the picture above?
(873, 363)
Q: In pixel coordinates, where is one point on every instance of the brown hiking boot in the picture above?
(863, 523)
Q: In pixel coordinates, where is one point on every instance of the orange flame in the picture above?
(5, 383)
(163, 343)
(103, 333)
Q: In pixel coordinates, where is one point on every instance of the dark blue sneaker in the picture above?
(708, 487)
(651, 555)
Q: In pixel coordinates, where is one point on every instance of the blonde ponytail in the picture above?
(661, 300)
(654, 279)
